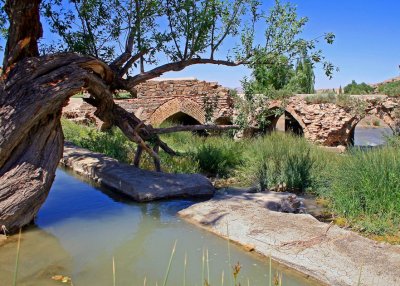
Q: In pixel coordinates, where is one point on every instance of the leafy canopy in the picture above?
(179, 33)
(358, 88)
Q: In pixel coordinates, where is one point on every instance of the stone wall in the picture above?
(157, 100)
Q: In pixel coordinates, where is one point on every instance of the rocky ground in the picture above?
(326, 252)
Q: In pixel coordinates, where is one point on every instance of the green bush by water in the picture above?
(280, 160)
(112, 143)
(218, 156)
(115, 144)
(366, 190)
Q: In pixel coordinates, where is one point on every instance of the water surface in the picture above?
(81, 228)
(370, 136)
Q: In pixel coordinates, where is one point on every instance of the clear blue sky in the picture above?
(367, 46)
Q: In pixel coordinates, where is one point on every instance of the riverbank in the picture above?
(330, 254)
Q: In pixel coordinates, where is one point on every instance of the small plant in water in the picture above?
(278, 279)
(236, 270)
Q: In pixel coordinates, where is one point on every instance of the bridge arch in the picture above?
(289, 120)
(178, 108)
(385, 126)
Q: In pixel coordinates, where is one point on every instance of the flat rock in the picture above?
(325, 252)
(140, 185)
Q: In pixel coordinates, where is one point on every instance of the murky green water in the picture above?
(81, 228)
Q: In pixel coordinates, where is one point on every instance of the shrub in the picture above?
(279, 160)
(116, 145)
(112, 143)
(365, 190)
(218, 157)
(376, 122)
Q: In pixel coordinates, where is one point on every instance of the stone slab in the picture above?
(140, 185)
(325, 252)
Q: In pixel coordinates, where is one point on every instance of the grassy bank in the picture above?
(362, 188)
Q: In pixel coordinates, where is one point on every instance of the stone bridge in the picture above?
(190, 101)
(333, 124)
(187, 101)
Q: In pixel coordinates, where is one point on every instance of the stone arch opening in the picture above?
(292, 125)
(223, 120)
(271, 120)
(369, 132)
(181, 118)
(178, 109)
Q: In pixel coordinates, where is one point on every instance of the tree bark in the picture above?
(24, 31)
(31, 139)
(181, 128)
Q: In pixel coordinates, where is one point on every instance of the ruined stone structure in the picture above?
(330, 124)
(189, 101)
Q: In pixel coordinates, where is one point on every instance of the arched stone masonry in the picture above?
(177, 105)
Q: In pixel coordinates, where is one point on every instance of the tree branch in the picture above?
(175, 66)
(181, 128)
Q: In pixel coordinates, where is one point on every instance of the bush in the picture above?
(112, 143)
(366, 190)
(279, 160)
(116, 145)
(218, 156)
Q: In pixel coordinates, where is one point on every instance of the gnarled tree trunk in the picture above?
(33, 91)
(31, 138)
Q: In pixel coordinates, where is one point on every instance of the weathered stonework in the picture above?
(157, 100)
(327, 124)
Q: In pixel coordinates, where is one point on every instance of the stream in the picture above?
(81, 228)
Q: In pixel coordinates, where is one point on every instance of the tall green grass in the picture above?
(218, 156)
(281, 161)
(366, 190)
(112, 143)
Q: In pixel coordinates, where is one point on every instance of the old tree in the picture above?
(104, 46)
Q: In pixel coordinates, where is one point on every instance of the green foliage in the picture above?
(116, 145)
(112, 143)
(274, 76)
(358, 89)
(179, 30)
(279, 160)
(390, 88)
(282, 68)
(122, 95)
(218, 157)
(365, 190)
